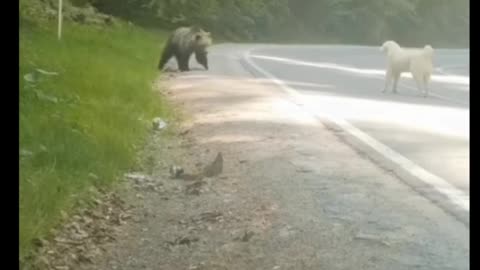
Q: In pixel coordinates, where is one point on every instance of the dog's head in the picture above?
(428, 50)
(389, 46)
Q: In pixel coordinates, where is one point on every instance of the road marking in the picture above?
(456, 196)
(441, 69)
(373, 73)
(457, 79)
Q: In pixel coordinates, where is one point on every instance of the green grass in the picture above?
(81, 127)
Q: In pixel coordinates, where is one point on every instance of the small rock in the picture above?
(194, 188)
(137, 177)
(215, 168)
(158, 123)
(175, 171)
(211, 217)
(183, 241)
(373, 238)
(85, 258)
(184, 132)
(246, 236)
(187, 241)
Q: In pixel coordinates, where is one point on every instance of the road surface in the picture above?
(321, 170)
(431, 132)
(345, 82)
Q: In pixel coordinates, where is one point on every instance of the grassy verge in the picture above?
(83, 126)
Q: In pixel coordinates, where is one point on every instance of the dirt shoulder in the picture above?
(290, 195)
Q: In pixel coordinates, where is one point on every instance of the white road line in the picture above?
(456, 196)
(459, 79)
(377, 74)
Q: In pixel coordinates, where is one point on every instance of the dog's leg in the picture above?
(396, 77)
(426, 80)
(419, 81)
(388, 80)
(420, 86)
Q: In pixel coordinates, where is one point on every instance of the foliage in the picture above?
(443, 22)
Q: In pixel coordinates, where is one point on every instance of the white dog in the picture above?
(418, 61)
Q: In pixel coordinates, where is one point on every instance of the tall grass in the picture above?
(83, 126)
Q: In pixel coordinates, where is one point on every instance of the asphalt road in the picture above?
(346, 81)
(257, 101)
(430, 134)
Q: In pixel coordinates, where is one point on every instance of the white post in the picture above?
(60, 17)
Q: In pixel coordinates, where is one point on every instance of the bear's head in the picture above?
(203, 39)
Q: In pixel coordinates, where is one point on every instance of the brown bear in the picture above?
(182, 43)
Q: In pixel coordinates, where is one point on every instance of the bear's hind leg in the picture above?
(182, 61)
(166, 55)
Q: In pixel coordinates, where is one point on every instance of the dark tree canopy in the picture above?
(410, 22)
